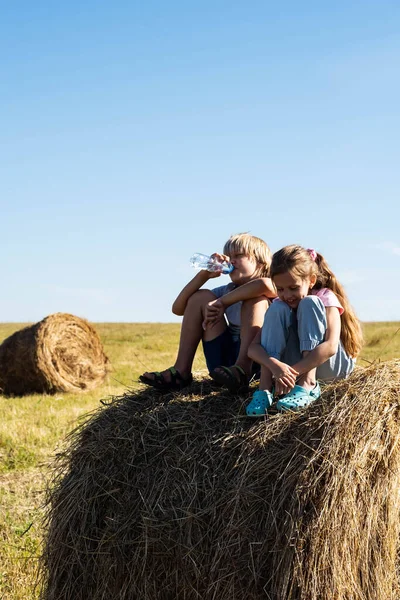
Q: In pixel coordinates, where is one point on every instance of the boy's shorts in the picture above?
(222, 350)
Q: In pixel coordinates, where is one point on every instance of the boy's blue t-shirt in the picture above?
(232, 313)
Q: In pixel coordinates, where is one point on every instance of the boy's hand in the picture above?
(218, 258)
(213, 313)
(284, 376)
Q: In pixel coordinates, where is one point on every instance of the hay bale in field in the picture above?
(191, 500)
(61, 353)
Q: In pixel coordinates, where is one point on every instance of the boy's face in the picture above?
(245, 268)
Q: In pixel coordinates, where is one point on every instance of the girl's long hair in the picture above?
(300, 262)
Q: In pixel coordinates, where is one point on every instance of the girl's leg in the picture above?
(311, 318)
(191, 334)
(279, 340)
(279, 336)
(311, 322)
(265, 379)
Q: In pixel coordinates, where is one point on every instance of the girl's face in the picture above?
(293, 288)
(245, 268)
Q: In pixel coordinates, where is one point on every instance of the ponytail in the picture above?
(350, 332)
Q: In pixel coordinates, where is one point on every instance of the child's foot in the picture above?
(299, 397)
(259, 404)
(167, 381)
(234, 378)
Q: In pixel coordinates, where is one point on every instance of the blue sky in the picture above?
(135, 134)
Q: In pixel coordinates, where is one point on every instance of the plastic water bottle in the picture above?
(202, 261)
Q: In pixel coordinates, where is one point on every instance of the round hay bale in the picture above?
(190, 500)
(61, 353)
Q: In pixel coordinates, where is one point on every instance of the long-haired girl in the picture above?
(310, 332)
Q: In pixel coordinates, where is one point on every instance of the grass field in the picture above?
(34, 427)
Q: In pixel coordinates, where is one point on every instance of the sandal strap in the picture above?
(176, 377)
(157, 376)
(243, 378)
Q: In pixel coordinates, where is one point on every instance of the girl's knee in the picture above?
(278, 310)
(311, 303)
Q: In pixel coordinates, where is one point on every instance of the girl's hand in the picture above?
(213, 313)
(284, 376)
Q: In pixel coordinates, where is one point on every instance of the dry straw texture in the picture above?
(61, 353)
(191, 500)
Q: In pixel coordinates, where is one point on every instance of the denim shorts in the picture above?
(222, 350)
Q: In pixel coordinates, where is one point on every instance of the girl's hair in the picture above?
(300, 261)
(244, 243)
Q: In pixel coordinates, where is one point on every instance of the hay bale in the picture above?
(190, 500)
(61, 353)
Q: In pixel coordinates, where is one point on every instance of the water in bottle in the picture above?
(203, 261)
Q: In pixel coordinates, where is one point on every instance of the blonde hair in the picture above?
(298, 261)
(252, 246)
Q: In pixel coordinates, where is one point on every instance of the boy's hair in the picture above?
(250, 245)
(299, 261)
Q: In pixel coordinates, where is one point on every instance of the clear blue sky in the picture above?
(136, 133)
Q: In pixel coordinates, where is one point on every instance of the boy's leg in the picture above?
(252, 318)
(191, 334)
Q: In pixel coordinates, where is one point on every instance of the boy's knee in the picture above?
(201, 298)
(254, 301)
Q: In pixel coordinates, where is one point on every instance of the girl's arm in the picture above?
(329, 346)
(280, 371)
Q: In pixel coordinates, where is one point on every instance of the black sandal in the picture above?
(226, 378)
(176, 383)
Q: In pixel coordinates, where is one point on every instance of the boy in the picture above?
(225, 340)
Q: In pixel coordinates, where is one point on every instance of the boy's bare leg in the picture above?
(252, 319)
(192, 333)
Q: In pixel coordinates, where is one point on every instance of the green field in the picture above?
(33, 428)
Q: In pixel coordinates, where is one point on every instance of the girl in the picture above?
(309, 331)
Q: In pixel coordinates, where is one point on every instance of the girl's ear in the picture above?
(313, 279)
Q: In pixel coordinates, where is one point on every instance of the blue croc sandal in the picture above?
(299, 397)
(259, 404)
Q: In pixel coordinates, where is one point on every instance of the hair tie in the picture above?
(312, 253)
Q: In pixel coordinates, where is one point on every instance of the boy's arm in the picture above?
(252, 289)
(179, 305)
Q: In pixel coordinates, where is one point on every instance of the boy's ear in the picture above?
(313, 279)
